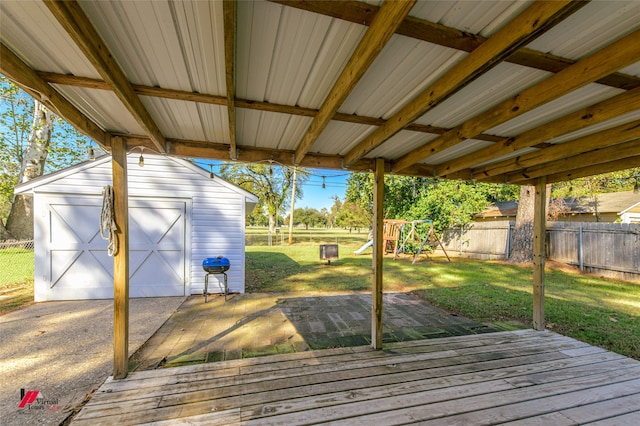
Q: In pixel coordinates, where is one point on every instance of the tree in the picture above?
(449, 203)
(33, 141)
(522, 241)
(257, 216)
(351, 215)
(308, 217)
(412, 198)
(271, 183)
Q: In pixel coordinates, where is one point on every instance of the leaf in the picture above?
(612, 319)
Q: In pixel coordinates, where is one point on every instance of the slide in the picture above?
(364, 247)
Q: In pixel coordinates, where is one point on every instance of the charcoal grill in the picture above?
(215, 266)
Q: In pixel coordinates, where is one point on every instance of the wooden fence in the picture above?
(609, 249)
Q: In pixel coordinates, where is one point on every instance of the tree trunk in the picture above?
(20, 220)
(522, 245)
(272, 224)
(4, 234)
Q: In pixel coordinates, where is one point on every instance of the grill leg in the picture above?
(206, 286)
(226, 289)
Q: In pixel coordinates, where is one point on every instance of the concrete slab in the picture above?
(64, 350)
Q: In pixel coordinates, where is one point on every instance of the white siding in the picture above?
(217, 215)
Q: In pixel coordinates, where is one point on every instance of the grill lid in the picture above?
(216, 265)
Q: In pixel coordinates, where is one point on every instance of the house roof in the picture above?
(34, 184)
(490, 91)
(612, 202)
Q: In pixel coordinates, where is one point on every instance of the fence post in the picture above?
(580, 251)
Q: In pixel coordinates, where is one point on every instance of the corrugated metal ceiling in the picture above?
(290, 58)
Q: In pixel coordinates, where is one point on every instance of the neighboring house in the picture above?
(610, 207)
(179, 214)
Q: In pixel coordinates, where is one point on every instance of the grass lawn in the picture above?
(602, 312)
(16, 279)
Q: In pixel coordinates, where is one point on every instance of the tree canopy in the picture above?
(447, 203)
(66, 147)
(269, 182)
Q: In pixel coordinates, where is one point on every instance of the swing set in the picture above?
(400, 236)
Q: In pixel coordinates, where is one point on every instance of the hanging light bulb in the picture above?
(141, 159)
(92, 155)
(211, 171)
(636, 188)
(323, 184)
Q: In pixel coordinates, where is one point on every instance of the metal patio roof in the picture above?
(496, 91)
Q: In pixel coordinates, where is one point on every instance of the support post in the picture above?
(378, 250)
(293, 202)
(539, 228)
(120, 259)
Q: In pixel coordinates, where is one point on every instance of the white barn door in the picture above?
(74, 264)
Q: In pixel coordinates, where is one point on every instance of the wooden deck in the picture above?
(522, 377)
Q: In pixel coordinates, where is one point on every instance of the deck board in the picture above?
(523, 377)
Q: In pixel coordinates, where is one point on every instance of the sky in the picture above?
(316, 197)
(313, 194)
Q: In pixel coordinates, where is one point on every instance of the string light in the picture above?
(92, 154)
(323, 184)
(141, 159)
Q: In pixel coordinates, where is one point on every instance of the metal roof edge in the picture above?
(26, 187)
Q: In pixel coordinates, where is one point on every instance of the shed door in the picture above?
(79, 266)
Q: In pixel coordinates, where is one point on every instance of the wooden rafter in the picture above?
(593, 114)
(70, 15)
(362, 13)
(596, 169)
(598, 156)
(615, 56)
(14, 68)
(229, 13)
(521, 30)
(378, 34)
(182, 95)
(571, 148)
(220, 151)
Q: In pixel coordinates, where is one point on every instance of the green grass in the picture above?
(602, 312)
(16, 279)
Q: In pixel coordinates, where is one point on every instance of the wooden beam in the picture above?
(229, 17)
(521, 30)
(248, 154)
(72, 18)
(539, 231)
(120, 260)
(573, 147)
(378, 34)
(378, 255)
(20, 73)
(182, 95)
(613, 57)
(596, 169)
(598, 156)
(362, 13)
(593, 114)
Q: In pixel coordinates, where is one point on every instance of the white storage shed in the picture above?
(179, 214)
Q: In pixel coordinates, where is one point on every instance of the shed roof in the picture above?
(492, 91)
(34, 184)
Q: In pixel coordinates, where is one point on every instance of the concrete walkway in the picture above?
(64, 350)
(251, 325)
